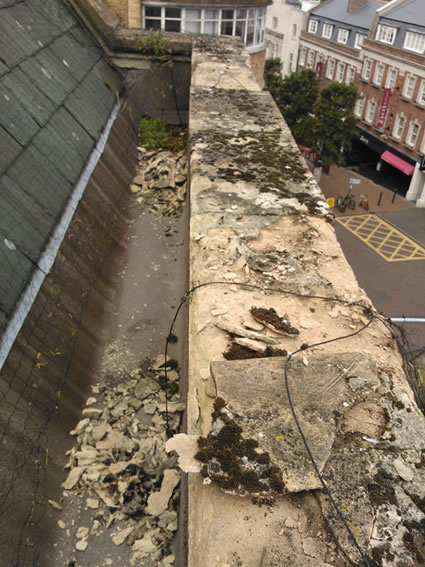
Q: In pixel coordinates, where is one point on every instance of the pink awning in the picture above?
(398, 163)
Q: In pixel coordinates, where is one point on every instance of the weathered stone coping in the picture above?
(258, 217)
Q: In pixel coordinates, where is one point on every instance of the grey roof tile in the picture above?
(28, 95)
(16, 120)
(45, 184)
(56, 12)
(37, 27)
(15, 43)
(75, 54)
(91, 102)
(65, 144)
(409, 12)
(14, 275)
(336, 10)
(9, 149)
(50, 75)
(22, 220)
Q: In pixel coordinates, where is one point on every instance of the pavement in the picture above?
(394, 282)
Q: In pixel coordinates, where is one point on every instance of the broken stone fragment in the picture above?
(92, 503)
(403, 470)
(55, 505)
(81, 545)
(82, 532)
(73, 478)
(120, 537)
(117, 440)
(92, 413)
(158, 501)
(86, 456)
(144, 547)
(99, 431)
(241, 332)
(256, 346)
(80, 427)
(90, 401)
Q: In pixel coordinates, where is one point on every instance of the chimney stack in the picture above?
(355, 4)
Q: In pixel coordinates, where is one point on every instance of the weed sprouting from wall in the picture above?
(156, 134)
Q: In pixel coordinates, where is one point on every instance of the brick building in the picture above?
(239, 18)
(380, 47)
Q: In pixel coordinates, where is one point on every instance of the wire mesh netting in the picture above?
(36, 372)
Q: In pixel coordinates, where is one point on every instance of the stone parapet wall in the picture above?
(261, 236)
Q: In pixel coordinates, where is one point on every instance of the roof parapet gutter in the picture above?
(48, 257)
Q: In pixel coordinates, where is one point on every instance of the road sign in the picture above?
(354, 181)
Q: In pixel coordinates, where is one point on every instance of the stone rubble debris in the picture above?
(120, 464)
(161, 181)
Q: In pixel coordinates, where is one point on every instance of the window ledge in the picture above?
(405, 98)
(420, 104)
(364, 80)
(375, 85)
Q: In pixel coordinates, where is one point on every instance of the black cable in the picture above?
(304, 347)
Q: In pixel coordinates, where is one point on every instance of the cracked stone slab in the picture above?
(254, 392)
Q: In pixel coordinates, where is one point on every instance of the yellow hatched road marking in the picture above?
(387, 241)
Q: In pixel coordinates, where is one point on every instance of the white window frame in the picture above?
(340, 71)
(343, 34)
(409, 86)
(358, 109)
(310, 58)
(330, 69)
(414, 42)
(327, 31)
(246, 23)
(301, 61)
(422, 148)
(378, 74)
(386, 34)
(399, 125)
(313, 25)
(351, 75)
(358, 42)
(413, 134)
(391, 78)
(420, 99)
(367, 69)
(370, 111)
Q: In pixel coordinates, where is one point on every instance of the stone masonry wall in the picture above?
(269, 273)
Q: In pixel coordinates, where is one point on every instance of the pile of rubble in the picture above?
(119, 463)
(160, 182)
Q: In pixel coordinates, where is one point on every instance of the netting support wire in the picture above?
(371, 317)
(407, 319)
(48, 256)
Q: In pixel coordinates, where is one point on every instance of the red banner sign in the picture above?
(319, 68)
(383, 108)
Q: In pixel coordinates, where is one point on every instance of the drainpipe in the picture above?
(48, 256)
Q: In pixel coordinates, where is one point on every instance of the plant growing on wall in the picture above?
(155, 134)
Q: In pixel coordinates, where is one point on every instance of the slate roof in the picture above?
(54, 103)
(337, 10)
(409, 12)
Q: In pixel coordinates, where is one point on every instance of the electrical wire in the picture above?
(371, 316)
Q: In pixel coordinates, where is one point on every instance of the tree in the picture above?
(296, 97)
(335, 122)
(272, 76)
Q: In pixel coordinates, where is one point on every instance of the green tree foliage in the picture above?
(272, 76)
(321, 119)
(335, 122)
(296, 97)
